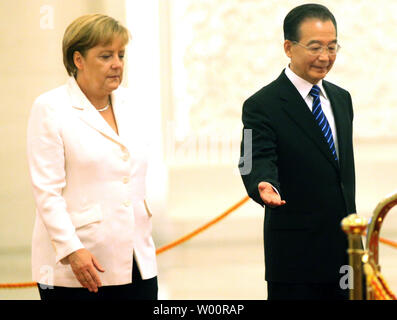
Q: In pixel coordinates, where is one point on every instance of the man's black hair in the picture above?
(296, 16)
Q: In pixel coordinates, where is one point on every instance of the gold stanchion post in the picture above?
(354, 226)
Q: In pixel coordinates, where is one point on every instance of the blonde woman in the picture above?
(87, 159)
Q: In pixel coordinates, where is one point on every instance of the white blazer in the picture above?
(89, 187)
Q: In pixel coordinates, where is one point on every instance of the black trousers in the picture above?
(306, 291)
(137, 290)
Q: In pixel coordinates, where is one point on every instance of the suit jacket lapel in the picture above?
(296, 108)
(341, 124)
(87, 112)
(118, 104)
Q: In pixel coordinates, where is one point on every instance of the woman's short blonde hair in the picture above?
(87, 32)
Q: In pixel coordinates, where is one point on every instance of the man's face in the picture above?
(313, 32)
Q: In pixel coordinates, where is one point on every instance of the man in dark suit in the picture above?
(297, 161)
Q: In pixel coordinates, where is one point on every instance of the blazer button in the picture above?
(127, 203)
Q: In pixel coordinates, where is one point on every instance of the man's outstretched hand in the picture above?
(269, 196)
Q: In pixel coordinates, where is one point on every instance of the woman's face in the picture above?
(100, 71)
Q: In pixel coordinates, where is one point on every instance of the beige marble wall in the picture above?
(225, 50)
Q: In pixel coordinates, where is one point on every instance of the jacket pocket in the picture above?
(283, 221)
(88, 216)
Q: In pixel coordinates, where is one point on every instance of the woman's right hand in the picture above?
(84, 266)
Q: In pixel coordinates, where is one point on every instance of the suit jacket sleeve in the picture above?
(47, 170)
(261, 152)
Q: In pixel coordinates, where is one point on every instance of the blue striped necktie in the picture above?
(322, 120)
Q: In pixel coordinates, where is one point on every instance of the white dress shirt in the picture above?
(304, 88)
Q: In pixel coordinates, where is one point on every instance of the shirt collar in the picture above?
(302, 85)
(80, 100)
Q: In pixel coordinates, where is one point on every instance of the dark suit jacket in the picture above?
(303, 239)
